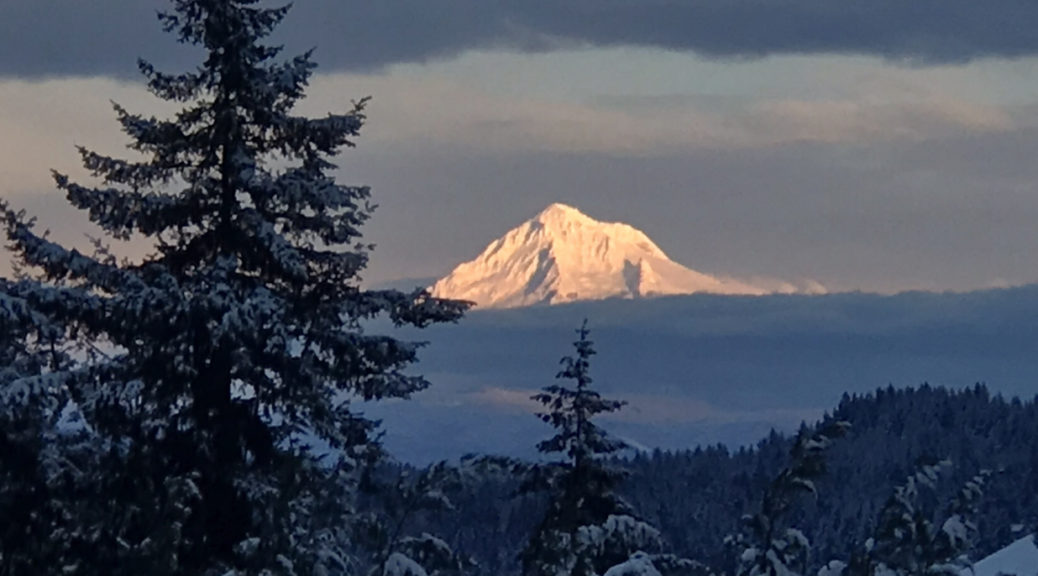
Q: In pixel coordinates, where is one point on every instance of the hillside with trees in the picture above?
(696, 498)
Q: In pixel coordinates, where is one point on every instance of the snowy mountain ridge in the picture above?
(562, 255)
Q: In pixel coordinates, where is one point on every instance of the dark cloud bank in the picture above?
(61, 37)
(705, 369)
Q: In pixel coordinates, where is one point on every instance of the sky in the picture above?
(877, 146)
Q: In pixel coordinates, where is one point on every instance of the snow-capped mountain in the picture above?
(562, 255)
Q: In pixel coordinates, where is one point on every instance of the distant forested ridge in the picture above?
(696, 497)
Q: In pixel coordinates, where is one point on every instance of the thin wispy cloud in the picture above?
(48, 119)
(640, 408)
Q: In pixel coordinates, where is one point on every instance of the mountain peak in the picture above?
(560, 211)
(570, 226)
(562, 255)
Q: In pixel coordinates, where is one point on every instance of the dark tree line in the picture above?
(696, 498)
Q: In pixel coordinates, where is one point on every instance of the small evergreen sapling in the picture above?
(587, 527)
(397, 501)
(907, 540)
(767, 547)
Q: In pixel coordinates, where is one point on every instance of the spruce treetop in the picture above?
(587, 526)
(570, 410)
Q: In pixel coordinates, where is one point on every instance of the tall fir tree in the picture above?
(587, 527)
(216, 375)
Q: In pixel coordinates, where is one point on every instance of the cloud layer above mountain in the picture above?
(60, 37)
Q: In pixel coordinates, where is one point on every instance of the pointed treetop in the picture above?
(571, 410)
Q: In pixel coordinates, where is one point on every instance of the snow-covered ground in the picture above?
(1018, 559)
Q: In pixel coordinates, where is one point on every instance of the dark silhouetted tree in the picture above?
(216, 375)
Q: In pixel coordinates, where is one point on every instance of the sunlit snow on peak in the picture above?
(562, 255)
